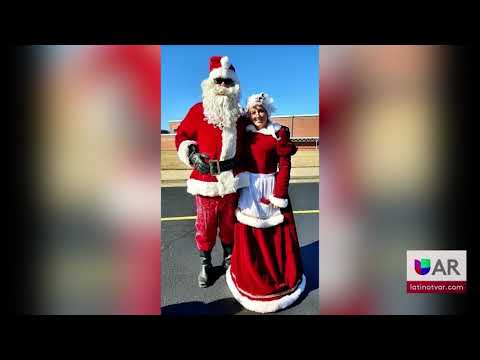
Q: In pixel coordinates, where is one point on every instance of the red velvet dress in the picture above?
(266, 273)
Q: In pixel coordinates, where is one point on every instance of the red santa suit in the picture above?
(266, 272)
(216, 195)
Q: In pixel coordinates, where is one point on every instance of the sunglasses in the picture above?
(227, 82)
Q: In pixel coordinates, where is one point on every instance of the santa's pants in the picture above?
(215, 213)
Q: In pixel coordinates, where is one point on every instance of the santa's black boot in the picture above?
(205, 275)
(227, 256)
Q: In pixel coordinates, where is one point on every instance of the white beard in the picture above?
(220, 105)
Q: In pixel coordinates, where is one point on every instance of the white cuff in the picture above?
(281, 203)
(255, 222)
(183, 151)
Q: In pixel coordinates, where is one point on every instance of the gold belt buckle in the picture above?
(217, 165)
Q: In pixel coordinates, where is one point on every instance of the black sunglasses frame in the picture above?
(228, 82)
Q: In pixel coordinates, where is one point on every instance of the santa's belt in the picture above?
(217, 166)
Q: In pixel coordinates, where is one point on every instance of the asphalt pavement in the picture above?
(180, 261)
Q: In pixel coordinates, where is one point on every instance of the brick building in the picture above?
(304, 133)
(303, 130)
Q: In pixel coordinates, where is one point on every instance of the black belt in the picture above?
(217, 167)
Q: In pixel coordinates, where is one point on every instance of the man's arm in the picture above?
(186, 141)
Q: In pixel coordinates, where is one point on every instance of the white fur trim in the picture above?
(281, 203)
(226, 181)
(183, 151)
(271, 129)
(225, 62)
(268, 306)
(197, 187)
(223, 73)
(262, 99)
(204, 188)
(258, 223)
(229, 143)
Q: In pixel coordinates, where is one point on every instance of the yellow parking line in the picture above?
(306, 212)
(183, 218)
(179, 218)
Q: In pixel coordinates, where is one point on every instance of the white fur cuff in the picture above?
(281, 203)
(205, 188)
(258, 223)
(183, 151)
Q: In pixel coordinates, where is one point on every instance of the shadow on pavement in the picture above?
(220, 307)
(310, 261)
(229, 306)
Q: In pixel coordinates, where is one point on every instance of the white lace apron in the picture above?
(249, 204)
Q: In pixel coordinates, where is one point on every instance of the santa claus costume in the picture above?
(266, 273)
(215, 129)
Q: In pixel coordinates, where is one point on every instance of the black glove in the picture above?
(198, 160)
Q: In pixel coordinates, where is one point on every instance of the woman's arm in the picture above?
(285, 150)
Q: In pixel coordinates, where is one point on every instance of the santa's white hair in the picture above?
(220, 104)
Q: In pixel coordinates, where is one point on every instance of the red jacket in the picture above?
(265, 153)
(268, 165)
(218, 144)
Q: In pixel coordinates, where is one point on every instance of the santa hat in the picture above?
(262, 99)
(220, 67)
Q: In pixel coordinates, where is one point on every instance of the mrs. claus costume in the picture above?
(266, 273)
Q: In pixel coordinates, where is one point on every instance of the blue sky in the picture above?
(288, 73)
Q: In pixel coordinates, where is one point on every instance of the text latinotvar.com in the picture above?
(460, 287)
